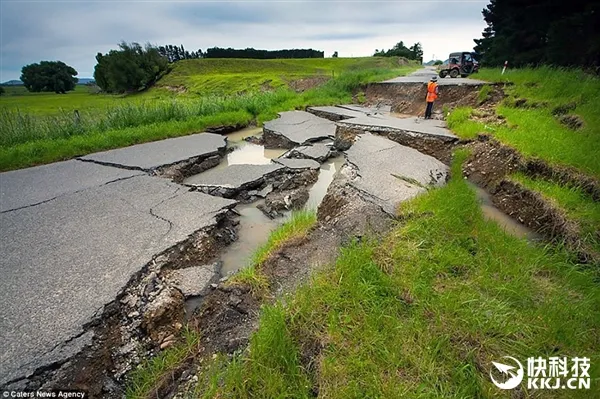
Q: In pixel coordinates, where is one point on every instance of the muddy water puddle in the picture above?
(254, 229)
(506, 222)
(326, 174)
(243, 152)
(255, 226)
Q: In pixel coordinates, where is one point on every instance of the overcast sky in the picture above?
(74, 31)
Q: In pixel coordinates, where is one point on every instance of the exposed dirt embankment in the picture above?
(491, 165)
(409, 98)
(491, 161)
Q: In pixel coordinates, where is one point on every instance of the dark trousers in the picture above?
(428, 110)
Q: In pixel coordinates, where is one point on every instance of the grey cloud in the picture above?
(75, 31)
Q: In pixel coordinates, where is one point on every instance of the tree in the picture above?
(1, 90)
(335, 54)
(49, 76)
(438, 62)
(541, 32)
(130, 68)
(415, 52)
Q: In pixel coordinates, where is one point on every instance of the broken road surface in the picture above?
(406, 125)
(341, 112)
(69, 247)
(150, 156)
(295, 128)
(389, 173)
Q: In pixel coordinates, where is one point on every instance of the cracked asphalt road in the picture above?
(423, 76)
(73, 234)
(300, 127)
(390, 173)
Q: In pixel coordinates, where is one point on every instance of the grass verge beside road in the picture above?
(421, 314)
(533, 128)
(145, 378)
(296, 228)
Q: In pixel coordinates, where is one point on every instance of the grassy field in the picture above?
(17, 97)
(420, 314)
(33, 133)
(533, 129)
(231, 76)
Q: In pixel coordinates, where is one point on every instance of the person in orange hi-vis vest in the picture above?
(432, 95)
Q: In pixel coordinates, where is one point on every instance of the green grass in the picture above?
(484, 93)
(421, 314)
(232, 76)
(537, 132)
(17, 97)
(142, 380)
(28, 139)
(296, 228)
(576, 204)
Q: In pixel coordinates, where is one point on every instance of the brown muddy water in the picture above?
(255, 227)
(248, 153)
(507, 223)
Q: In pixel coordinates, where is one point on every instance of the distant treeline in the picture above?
(177, 53)
(217, 52)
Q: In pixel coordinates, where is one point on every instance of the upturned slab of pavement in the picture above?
(229, 181)
(319, 152)
(341, 112)
(297, 163)
(382, 123)
(389, 173)
(157, 154)
(65, 259)
(294, 128)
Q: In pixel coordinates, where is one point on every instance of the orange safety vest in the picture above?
(431, 92)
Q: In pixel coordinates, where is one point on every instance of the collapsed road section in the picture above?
(70, 248)
(175, 158)
(66, 259)
(296, 128)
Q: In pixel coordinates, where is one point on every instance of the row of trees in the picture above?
(415, 52)
(563, 33)
(133, 67)
(178, 53)
(218, 52)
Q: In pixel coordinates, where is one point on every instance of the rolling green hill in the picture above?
(233, 76)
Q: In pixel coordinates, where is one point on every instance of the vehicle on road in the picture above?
(460, 63)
